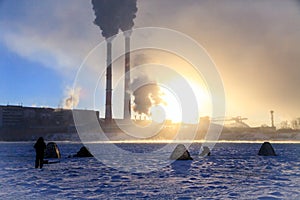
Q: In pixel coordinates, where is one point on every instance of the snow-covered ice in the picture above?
(233, 171)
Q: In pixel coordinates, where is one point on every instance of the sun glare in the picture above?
(172, 109)
(185, 96)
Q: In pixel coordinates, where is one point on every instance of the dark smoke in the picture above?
(147, 96)
(106, 17)
(112, 15)
(127, 14)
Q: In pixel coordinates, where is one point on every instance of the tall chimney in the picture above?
(127, 96)
(108, 111)
(272, 118)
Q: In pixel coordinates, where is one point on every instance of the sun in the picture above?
(184, 95)
(169, 109)
(172, 106)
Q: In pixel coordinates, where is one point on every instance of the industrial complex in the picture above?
(18, 123)
(27, 123)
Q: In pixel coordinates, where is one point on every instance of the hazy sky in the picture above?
(254, 43)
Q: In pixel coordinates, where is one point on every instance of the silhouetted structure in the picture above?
(108, 99)
(272, 118)
(110, 17)
(52, 150)
(180, 153)
(205, 152)
(128, 11)
(83, 152)
(40, 147)
(266, 149)
(127, 98)
(18, 123)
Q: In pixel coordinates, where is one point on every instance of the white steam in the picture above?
(72, 98)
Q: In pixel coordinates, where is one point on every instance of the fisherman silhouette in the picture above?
(40, 147)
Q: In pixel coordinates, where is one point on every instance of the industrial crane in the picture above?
(237, 120)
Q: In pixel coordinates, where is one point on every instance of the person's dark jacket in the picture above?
(40, 147)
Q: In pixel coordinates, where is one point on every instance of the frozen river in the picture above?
(233, 171)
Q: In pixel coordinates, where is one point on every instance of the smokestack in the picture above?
(127, 95)
(108, 21)
(112, 15)
(272, 118)
(127, 14)
(108, 111)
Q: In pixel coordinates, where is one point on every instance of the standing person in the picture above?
(40, 147)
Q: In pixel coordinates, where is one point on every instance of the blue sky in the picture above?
(255, 45)
(28, 82)
(38, 61)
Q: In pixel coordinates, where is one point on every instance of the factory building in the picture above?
(18, 122)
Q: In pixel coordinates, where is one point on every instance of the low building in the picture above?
(11, 116)
(27, 123)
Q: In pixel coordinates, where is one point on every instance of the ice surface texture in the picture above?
(233, 171)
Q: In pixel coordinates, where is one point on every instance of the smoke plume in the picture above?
(112, 15)
(140, 59)
(72, 98)
(146, 96)
(127, 14)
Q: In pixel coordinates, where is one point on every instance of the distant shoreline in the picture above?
(166, 142)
